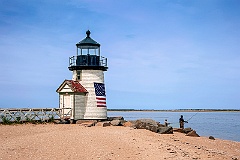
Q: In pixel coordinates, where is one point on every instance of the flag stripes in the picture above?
(100, 94)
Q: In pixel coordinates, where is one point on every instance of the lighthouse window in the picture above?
(78, 75)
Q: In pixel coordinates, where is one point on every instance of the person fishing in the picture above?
(166, 123)
(181, 122)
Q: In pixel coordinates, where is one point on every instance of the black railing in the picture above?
(87, 60)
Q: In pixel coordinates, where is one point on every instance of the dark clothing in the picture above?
(166, 123)
(181, 122)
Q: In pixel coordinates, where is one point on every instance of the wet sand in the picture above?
(72, 141)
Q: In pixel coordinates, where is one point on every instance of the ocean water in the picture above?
(223, 125)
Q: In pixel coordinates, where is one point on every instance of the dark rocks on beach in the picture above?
(193, 133)
(153, 129)
(56, 121)
(151, 125)
(62, 122)
(115, 118)
(147, 124)
(103, 124)
(140, 125)
(211, 137)
(128, 124)
(86, 123)
(178, 130)
(143, 123)
(116, 122)
(165, 130)
(187, 130)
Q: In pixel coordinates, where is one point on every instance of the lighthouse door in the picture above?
(66, 106)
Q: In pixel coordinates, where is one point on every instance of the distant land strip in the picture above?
(177, 110)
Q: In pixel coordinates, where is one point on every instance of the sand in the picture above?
(72, 141)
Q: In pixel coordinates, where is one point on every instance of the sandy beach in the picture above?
(72, 141)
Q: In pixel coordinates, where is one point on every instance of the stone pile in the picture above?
(187, 131)
(151, 125)
(147, 124)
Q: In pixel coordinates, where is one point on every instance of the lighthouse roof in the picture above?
(71, 86)
(88, 41)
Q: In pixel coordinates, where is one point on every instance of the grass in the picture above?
(6, 121)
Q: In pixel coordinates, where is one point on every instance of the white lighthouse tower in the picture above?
(84, 96)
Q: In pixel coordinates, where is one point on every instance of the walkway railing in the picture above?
(34, 114)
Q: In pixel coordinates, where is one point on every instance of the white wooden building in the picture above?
(84, 96)
(72, 99)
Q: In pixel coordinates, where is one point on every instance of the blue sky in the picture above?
(162, 54)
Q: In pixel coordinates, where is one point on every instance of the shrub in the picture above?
(6, 120)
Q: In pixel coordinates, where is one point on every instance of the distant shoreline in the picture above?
(175, 110)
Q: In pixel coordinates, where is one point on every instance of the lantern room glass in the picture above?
(88, 50)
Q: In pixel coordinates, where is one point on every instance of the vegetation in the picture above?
(18, 120)
(29, 120)
(6, 120)
(51, 119)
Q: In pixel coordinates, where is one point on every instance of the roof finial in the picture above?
(88, 33)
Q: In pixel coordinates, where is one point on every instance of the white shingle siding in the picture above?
(88, 77)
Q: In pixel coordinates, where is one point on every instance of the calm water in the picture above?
(223, 125)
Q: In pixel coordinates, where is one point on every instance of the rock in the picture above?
(56, 121)
(64, 122)
(140, 125)
(154, 129)
(80, 121)
(128, 124)
(178, 130)
(122, 122)
(149, 121)
(146, 124)
(193, 133)
(211, 137)
(165, 130)
(115, 122)
(103, 124)
(187, 130)
(149, 124)
(86, 123)
(72, 121)
(115, 118)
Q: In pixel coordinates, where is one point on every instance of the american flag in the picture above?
(100, 94)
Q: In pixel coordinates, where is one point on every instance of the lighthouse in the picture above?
(84, 96)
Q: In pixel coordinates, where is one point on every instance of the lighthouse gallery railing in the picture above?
(87, 60)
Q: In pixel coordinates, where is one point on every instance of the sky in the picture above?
(162, 54)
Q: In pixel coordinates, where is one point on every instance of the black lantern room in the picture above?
(88, 56)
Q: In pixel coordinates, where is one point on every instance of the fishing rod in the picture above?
(192, 116)
(185, 121)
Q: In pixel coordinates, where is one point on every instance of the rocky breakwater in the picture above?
(156, 127)
(151, 125)
(147, 124)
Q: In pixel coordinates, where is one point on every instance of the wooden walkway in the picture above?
(34, 114)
